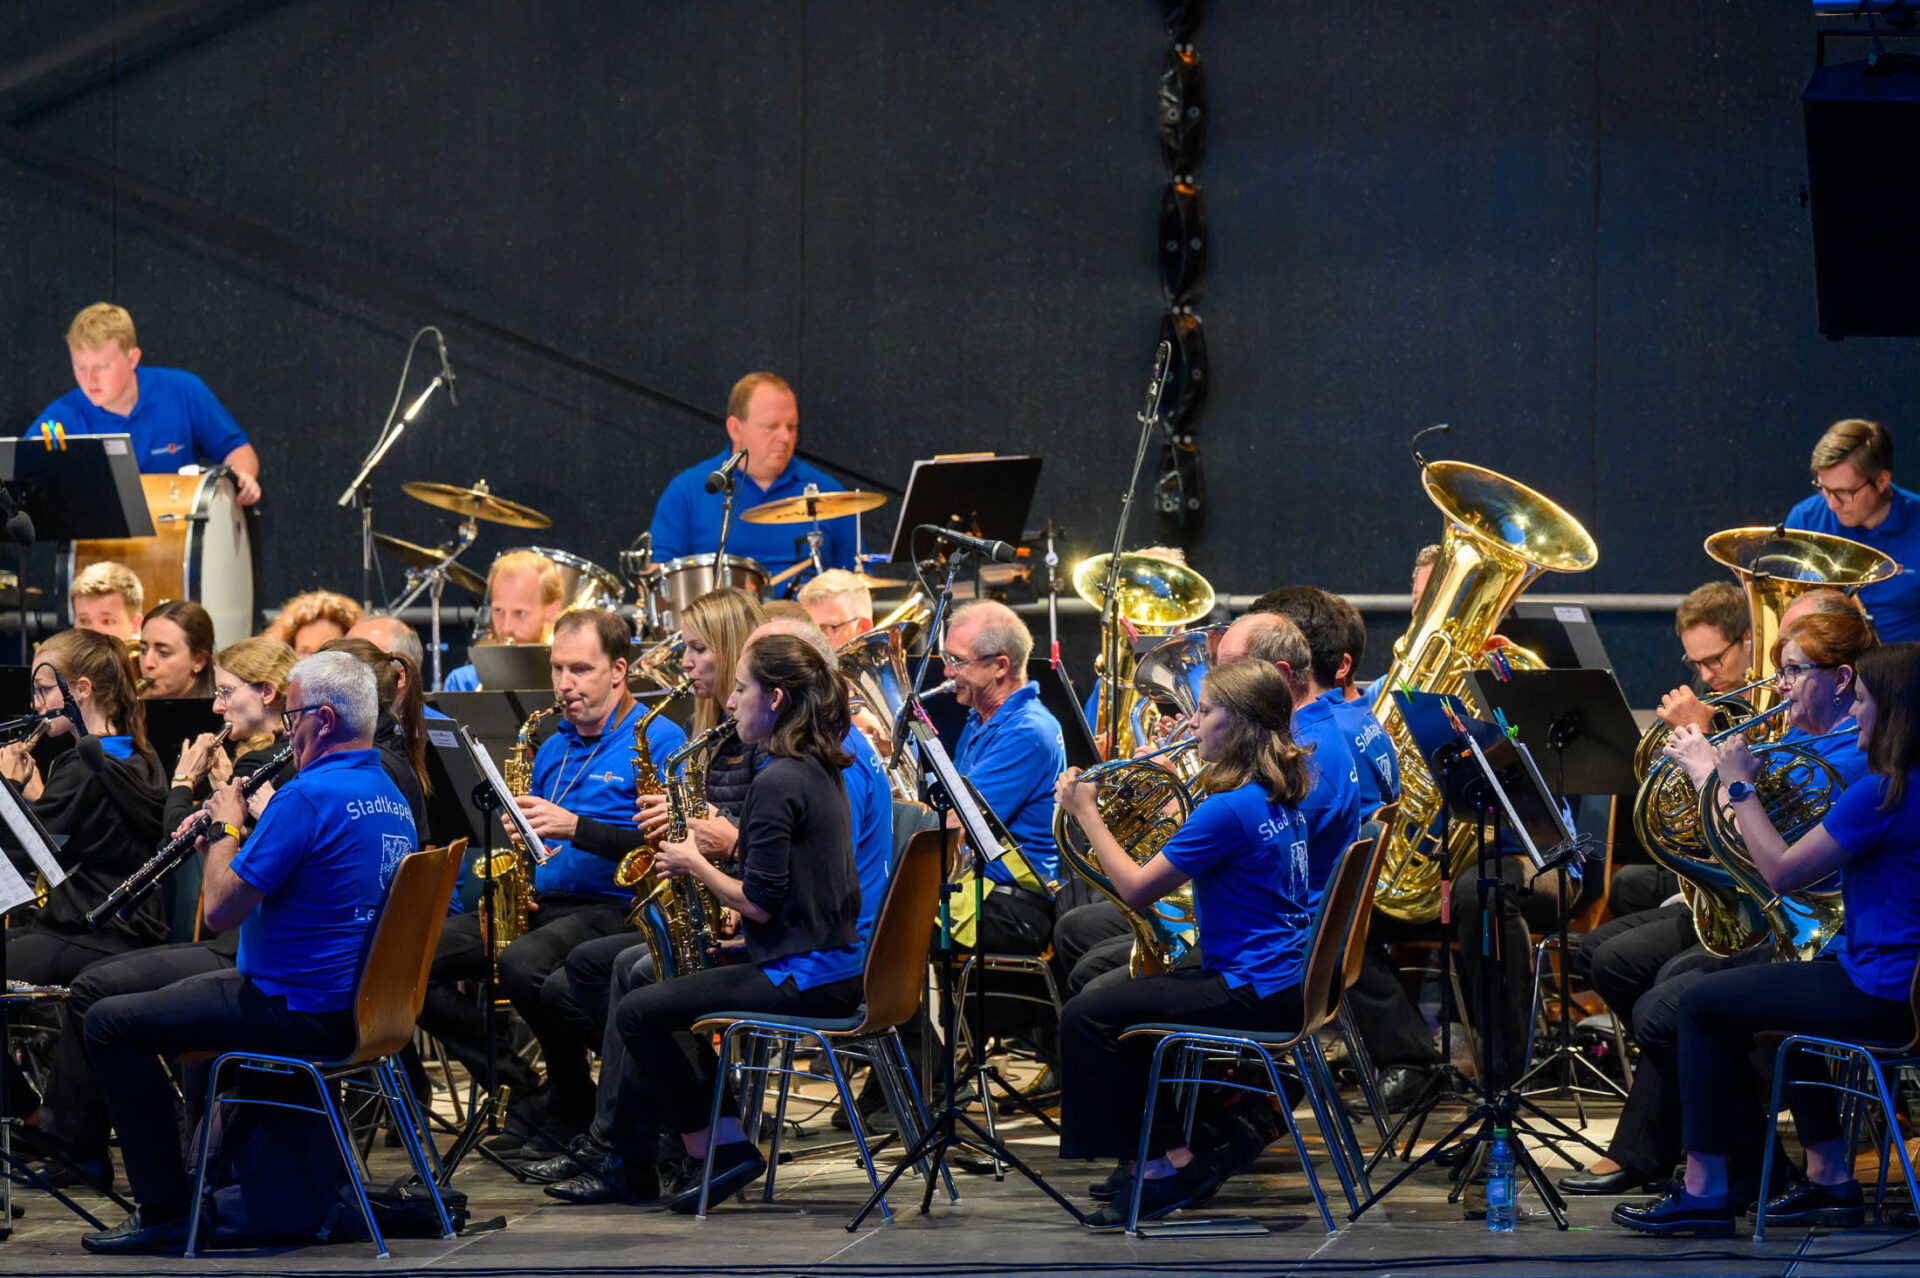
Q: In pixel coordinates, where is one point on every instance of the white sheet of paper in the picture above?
(536, 848)
(29, 837)
(14, 890)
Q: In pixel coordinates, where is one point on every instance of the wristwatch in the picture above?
(1739, 792)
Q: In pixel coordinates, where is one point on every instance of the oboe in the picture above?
(175, 850)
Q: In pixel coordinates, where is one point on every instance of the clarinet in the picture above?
(175, 850)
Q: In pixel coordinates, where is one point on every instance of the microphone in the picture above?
(724, 476)
(1162, 356)
(69, 707)
(446, 369)
(19, 522)
(998, 551)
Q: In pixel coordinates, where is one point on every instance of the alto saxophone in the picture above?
(635, 865)
(508, 902)
(680, 919)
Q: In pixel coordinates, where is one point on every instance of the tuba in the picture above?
(679, 919)
(635, 864)
(1797, 787)
(1500, 536)
(1156, 597)
(507, 904)
(875, 664)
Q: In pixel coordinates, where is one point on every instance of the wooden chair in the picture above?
(1855, 1065)
(894, 981)
(387, 998)
(1320, 988)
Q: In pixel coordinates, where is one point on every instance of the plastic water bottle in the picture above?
(1500, 1211)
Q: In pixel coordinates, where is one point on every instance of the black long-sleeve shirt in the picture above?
(107, 810)
(796, 860)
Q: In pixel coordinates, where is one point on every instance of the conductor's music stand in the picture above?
(982, 496)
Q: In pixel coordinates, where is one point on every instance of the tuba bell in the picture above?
(1156, 597)
(1500, 536)
(875, 664)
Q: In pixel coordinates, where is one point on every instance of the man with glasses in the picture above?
(840, 604)
(1857, 499)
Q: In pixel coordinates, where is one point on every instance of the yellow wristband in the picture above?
(232, 830)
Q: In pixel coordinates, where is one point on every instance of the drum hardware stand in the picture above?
(434, 581)
(1501, 1106)
(1111, 634)
(360, 488)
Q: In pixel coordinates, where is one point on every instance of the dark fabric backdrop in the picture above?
(1571, 230)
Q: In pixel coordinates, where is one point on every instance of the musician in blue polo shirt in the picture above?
(1329, 624)
(1853, 469)
(172, 416)
(304, 892)
(763, 417)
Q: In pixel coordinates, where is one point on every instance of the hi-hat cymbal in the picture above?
(806, 509)
(420, 557)
(476, 503)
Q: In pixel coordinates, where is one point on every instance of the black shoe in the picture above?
(1241, 1149)
(1803, 1204)
(610, 1182)
(1189, 1185)
(1045, 1091)
(1105, 1191)
(736, 1165)
(1401, 1085)
(1625, 1181)
(583, 1152)
(1678, 1213)
(131, 1238)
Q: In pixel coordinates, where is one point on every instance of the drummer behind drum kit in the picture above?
(662, 591)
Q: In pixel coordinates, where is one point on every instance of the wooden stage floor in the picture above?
(999, 1228)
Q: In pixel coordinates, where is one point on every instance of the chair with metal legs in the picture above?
(1344, 1022)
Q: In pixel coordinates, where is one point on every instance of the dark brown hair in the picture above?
(404, 704)
(1891, 676)
(197, 626)
(609, 628)
(814, 721)
(104, 662)
(1259, 745)
(1323, 621)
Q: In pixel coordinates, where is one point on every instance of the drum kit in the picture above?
(661, 591)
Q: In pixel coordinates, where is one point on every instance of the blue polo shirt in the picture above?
(1372, 749)
(1013, 759)
(1332, 808)
(1894, 604)
(1257, 880)
(594, 778)
(1880, 886)
(176, 421)
(323, 853)
(687, 519)
(461, 679)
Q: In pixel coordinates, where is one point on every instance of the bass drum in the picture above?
(583, 584)
(202, 549)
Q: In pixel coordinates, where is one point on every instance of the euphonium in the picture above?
(1797, 788)
(1667, 821)
(1500, 536)
(507, 905)
(1142, 804)
(875, 663)
(679, 919)
(1157, 597)
(646, 780)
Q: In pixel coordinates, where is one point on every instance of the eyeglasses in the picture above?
(1701, 663)
(1842, 494)
(1794, 670)
(290, 717)
(227, 691)
(952, 662)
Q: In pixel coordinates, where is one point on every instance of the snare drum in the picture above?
(685, 579)
(202, 549)
(583, 584)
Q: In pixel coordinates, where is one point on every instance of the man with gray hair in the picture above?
(303, 890)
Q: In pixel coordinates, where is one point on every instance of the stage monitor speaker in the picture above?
(1864, 187)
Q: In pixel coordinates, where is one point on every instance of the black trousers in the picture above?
(1011, 922)
(1721, 1012)
(1498, 937)
(1623, 958)
(1103, 1082)
(76, 1109)
(455, 1016)
(668, 1083)
(1634, 888)
(130, 1036)
(525, 967)
(1087, 941)
(43, 956)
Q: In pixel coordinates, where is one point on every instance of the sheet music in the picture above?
(536, 846)
(14, 890)
(28, 834)
(961, 793)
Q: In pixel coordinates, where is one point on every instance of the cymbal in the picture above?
(420, 557)
(875, 585)
(804, 510)
(476, 503)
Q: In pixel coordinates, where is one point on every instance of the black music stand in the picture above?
(22, 836)
(174, 721)
(982, 496)
(513, 667)
(492, 718)
(1580, 719)
(1487, 778)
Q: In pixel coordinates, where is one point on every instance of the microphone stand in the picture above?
(723, 571)
(1110, 609)
(359, 489)
(1053, 599)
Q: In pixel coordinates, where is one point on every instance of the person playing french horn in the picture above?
(1256, 880)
